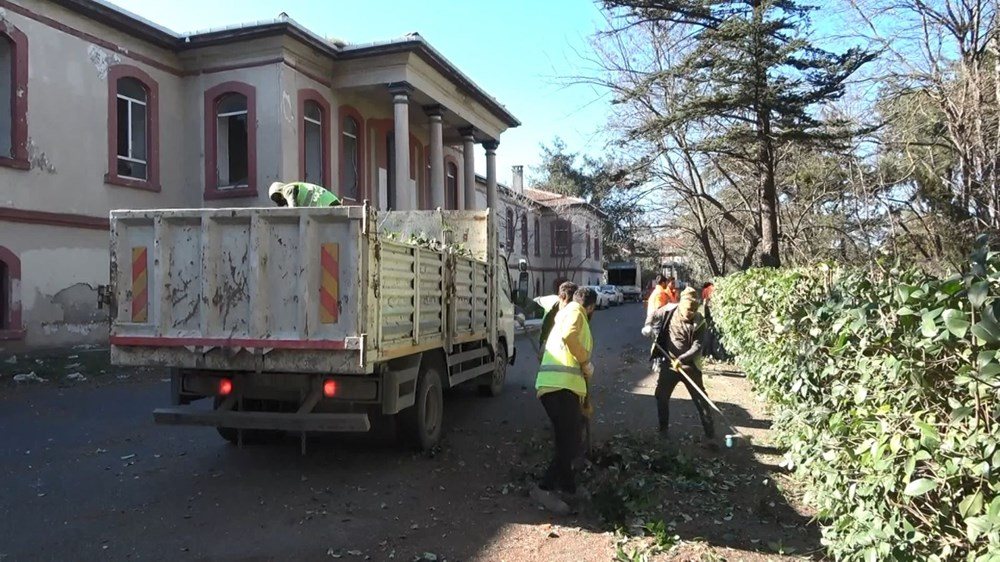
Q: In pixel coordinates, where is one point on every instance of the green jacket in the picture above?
(302, 194)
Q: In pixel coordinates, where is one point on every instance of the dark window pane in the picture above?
(237, 160)
(122, 131)
(313, 111)
(132, 88)
(351, 172)
(350, 126)
(138, 132)
(129, 169)
(231, 103)
(314, 153)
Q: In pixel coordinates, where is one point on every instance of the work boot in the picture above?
(549, 501)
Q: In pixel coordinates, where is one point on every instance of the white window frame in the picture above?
(131, 149)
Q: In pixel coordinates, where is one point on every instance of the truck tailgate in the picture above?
(278, 290)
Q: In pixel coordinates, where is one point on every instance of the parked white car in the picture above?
(603, 299)
(615, 295)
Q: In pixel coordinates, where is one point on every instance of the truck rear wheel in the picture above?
(419, 426)
(499, 376)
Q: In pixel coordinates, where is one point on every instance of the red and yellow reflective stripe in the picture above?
(329, 287)
(140, 284)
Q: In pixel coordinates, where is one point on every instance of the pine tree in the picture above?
(757, 81)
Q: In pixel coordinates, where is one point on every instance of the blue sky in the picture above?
(514, 49)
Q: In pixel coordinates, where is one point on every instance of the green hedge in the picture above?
(884, 390)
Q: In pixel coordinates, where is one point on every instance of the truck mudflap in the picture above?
(294, 422)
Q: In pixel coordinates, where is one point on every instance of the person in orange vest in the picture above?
(706, 292)
(673, 295)
(659, 297)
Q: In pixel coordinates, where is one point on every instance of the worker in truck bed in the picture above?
(562, 384)
(301, 194)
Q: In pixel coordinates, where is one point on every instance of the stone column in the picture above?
(492, 199)
(469, 166)
(405, 197)
(438, 198)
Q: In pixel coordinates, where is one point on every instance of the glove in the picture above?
(676, 364)
(647, 331)
(588, 369)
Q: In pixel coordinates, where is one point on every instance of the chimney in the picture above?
(517, 185)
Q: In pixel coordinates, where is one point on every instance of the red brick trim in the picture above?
(11, 328)
(306, 95)
(152, 182)
(364, 189)
(452, 203)
(68, 220)
(19, 104)
(212, 96)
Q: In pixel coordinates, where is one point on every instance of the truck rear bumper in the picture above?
(263, 420)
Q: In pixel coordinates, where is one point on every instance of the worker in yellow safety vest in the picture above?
(562, 384)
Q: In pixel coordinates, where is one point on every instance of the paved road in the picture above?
(88, 476)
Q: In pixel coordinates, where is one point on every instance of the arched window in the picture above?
(231, 141)
(451, 185)
(13, 97)
(510, 229)
(314, 152)
(352, 155)
(10, 304)
(562, 238)
(538, 238)
(133, 128)
(524, 234)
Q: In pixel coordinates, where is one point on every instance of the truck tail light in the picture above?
(329, 388)
(225, 387)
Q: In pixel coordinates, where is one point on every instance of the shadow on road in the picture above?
(90, 463)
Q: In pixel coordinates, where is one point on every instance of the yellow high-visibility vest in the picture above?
(559, 369)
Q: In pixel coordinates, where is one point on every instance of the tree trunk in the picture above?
(770, 253)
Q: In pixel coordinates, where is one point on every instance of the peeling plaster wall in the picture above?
(68, 117)
(60, 271)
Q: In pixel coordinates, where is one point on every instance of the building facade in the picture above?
(110, 111)
(556, 236)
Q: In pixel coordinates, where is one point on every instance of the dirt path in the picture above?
(84, 458)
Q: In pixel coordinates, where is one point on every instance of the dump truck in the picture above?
(310, 320)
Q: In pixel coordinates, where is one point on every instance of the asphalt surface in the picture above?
(88, 476)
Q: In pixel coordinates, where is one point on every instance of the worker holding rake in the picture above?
(678, 331)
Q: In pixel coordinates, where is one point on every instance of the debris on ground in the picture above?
(28, 377)
(77, 377)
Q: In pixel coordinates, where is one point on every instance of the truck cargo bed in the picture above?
(300, 290)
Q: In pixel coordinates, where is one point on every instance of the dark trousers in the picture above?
(564, 410)
(666, 382)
